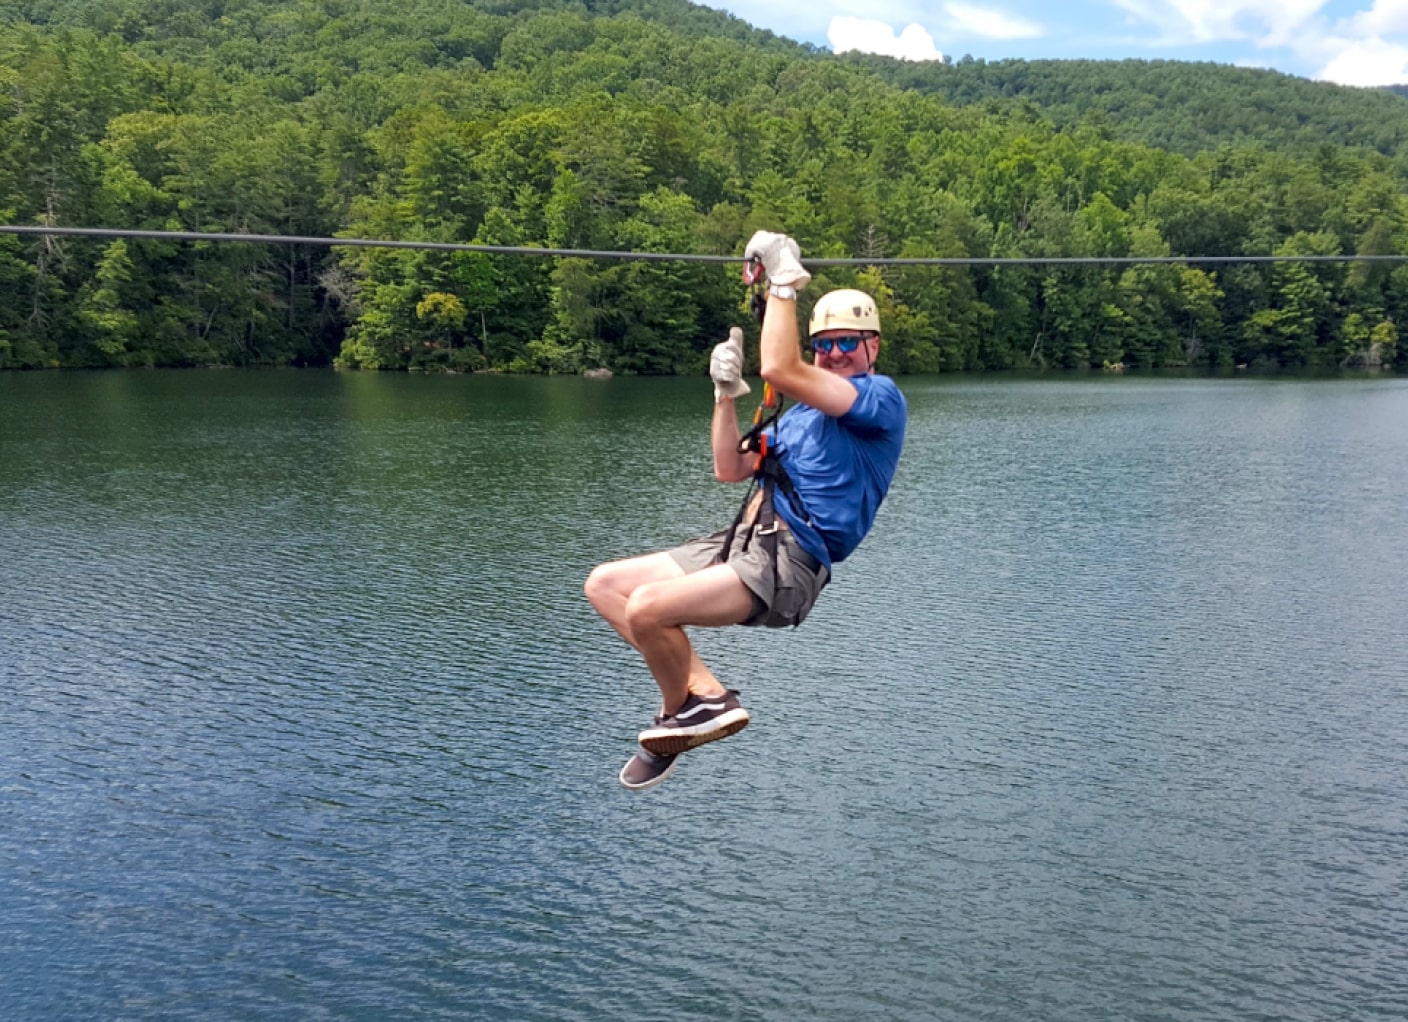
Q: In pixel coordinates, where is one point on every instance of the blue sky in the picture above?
(1352, 42)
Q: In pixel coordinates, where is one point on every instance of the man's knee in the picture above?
(608, 586)
(617, 580)
(646, 606)
(598, 584)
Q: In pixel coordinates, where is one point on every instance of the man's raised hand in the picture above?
(726, 367)
(781, 259)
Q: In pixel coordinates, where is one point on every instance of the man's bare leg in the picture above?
(657, 612)
(610, 585)
(649, 600)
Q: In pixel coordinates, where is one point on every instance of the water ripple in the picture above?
(305, 716)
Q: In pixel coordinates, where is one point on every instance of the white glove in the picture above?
(726, 367)
(781, 258)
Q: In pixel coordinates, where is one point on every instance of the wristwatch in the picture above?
(784, 291)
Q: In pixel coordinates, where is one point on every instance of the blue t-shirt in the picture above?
(841, 467)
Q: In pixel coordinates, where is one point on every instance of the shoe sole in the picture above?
(675, 740)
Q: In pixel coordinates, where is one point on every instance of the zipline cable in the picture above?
(677, 257)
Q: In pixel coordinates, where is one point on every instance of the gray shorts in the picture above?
(777, 601)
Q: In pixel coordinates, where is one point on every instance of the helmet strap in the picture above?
(870, 366)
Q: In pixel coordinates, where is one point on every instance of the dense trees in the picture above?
(655, 126)
(1175, 105)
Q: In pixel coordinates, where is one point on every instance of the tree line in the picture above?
(641, 125)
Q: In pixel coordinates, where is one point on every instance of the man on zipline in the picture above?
(824, 468)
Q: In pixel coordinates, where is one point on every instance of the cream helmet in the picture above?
(846, 309)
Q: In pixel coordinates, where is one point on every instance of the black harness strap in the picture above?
(767, 476)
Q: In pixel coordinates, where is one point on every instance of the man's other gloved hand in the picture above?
(781, 259)
(726, 367)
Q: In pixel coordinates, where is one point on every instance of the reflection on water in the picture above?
(304, 714)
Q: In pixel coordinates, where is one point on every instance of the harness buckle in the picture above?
(767, 530)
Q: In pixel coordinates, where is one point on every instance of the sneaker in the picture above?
(646, 770)
(699, 720)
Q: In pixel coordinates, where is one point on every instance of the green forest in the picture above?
(660, 126)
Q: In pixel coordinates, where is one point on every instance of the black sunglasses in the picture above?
(846, 344)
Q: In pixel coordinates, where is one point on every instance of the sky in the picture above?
(1351, 42)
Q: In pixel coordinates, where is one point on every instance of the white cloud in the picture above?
(913, 43)
(1367, 62)
(992, 24)
(1265, 22)
(1384, 18)
(1365, 49)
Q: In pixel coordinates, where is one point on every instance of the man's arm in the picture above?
(730, 466)
(784, 369)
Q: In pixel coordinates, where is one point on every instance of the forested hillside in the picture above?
(647, 125)
(1180, 106)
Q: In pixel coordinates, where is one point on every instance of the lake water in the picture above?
(303, 715)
